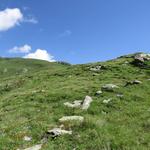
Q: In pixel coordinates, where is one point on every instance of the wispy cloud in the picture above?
(21, 49)
(30, 19)
(65, 33)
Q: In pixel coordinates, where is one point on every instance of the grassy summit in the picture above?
(33, 93)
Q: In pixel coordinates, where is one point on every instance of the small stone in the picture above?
(36, 147)
(119, 95)
(109, 87)
(27, 138)
(133, 82)
(71, 118)
(99, 92)
(107, 101)
(96, 68)
(57, 132)
(75, 104)
(137, 82)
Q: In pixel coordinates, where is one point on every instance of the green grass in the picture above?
(32, 94)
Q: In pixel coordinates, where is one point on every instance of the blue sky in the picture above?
(76, 31)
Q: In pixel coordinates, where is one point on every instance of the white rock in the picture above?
(75, 104)
(36, 147)
(137, 82)
(99, 92)
(106, 101)
(71, 118)
(119, 95)
(58, 131)
(96, 68)
(109, 87)
(86, 103)
(27, 138)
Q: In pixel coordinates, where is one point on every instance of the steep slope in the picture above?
(33, 93)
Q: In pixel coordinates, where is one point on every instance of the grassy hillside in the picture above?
(32, 96)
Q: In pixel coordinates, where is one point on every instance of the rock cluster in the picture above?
(85, 104)
(140, 59)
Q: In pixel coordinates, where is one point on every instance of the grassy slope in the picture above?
(32, 94)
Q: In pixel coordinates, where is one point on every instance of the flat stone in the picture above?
(137, 82)
(71, 118)
(75, 104)
(57, 132)
(106, 101)
(27, 138)
(36, 147)
(99, 92)
(109, 87)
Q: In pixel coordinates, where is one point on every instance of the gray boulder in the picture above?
(57, 132)
(109, 87)
(86, 103)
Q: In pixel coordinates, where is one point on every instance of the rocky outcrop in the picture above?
(141, 59)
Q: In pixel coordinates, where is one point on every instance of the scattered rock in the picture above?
(106, 101)
(27, 138)
(71, 118)
(133, 82)
(119, 95)
(57, 132)
(109, 87)
(86, 103)
(137, 82)
(98, 93)
(75, 104)
(36, 147)
(140, 59)
(96, 68)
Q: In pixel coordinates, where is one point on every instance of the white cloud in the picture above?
(65, 33)
(10, 18)
(30, 20)
(22, 49)
(40, 54)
